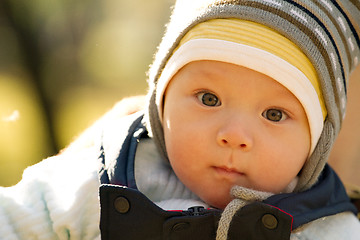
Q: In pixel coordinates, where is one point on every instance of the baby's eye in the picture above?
(208, 99)
(274, 115)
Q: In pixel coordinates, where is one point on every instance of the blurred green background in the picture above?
(65, 63)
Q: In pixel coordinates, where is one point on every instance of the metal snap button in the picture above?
(122, 205)
(269, 221)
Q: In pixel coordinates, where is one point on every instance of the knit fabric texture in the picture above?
(327, 31)
(242, 196)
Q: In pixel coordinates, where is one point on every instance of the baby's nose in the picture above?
(235, 134)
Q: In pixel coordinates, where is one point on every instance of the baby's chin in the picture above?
(219, 202)
(217, 198)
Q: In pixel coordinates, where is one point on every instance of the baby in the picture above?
(245, 101)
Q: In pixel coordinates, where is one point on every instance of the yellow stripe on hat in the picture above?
(258, 36)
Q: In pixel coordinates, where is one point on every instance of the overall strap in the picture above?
(128, 214)
(117, 150)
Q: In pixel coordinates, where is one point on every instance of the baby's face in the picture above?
(227, 125)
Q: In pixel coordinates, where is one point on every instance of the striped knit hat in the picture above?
(257, 47)
(326, 32)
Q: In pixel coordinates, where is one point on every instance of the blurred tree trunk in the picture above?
(32, 58)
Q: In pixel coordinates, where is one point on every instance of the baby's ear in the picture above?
(353, 192)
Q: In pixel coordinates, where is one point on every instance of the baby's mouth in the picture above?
(228, 172)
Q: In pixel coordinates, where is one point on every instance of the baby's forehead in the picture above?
(221, 77)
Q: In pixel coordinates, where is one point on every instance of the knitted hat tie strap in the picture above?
(242, 196)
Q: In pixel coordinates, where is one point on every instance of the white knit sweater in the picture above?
(56, 199)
